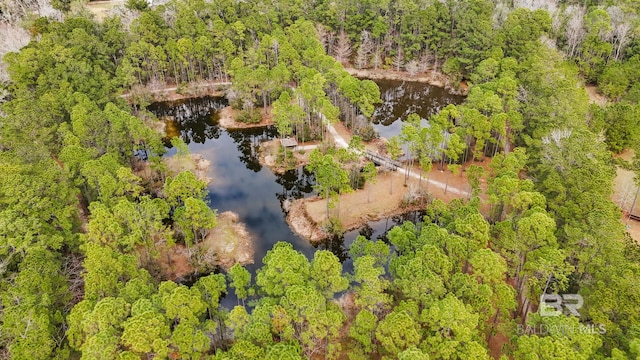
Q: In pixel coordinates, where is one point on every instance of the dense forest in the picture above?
(79, 225)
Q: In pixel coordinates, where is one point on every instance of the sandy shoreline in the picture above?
(230, 242)
(387, 197)
(301, 224)
(304, 226)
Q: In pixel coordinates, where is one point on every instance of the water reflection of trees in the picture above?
(399, 99)
(295, 183)
(196, 119)
(248, 142)
(373, 231)
(336, 245)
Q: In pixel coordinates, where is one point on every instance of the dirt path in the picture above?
(305, 147)
(393, 193)
(101, 9)
(340, 141)
(624, 194)
(594, 97)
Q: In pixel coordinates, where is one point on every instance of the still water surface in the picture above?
(240, 184)
(402, 98)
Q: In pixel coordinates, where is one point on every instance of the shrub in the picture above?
(247, 117)
(333, 226)
(366, 132)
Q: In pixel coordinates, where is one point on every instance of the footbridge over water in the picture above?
(382, 160)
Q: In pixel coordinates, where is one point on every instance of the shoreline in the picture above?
(228, 119)
(169, 92)
(430, 77)
(228, 243)
(269, 150)
(302, 224)
(387, 197)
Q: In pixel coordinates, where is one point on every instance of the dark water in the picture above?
(240, 184)
(402, 98)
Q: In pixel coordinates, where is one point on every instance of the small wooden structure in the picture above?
(382, 160)
(289, 142)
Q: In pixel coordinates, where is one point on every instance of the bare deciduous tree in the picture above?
(575, 31)
(325, 36)
(412, 67)
(548, 42)
(622, 28)
(342, 49)
(13, 11)
(550, 5)
(398, 58)
(377, 58)
(625, 194)
(425, 62)
(126, 15)
(363, 56)
(500, 13)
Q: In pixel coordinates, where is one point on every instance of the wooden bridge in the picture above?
(383, 160)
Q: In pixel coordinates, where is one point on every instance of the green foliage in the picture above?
(559, 344)
(521, 28)
(331, 178)
(139, 5)
(362, 331)
(397, 332)
(283, 267)
(620, 125)
(326, 273)
(194, 220)
(249, 117)
(68, 140)
(370, 294)
(183, 186)
(362, 246)
(32, 320)
(240, 280)
(594, 49)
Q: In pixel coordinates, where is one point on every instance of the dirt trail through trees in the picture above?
(340, 141)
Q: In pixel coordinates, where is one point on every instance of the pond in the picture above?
(240, 184)
(402, 98)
